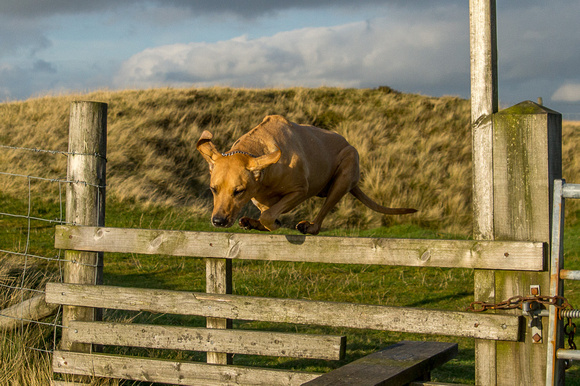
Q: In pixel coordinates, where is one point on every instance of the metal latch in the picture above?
(534, 310)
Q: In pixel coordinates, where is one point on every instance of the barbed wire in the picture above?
(36, 150)
(59, 180)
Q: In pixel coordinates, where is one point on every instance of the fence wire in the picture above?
(28, 259)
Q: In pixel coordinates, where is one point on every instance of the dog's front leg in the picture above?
(269, 217)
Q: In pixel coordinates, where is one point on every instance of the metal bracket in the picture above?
(534, 310)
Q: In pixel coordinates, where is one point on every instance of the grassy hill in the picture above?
(415, 150)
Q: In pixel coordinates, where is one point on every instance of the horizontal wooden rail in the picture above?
(334, 314)
(173, 372)
(210, 340)
(508, 255)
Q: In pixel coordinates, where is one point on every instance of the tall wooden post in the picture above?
(527, 157)
(484, 103)
(85, 201)
(218, 277)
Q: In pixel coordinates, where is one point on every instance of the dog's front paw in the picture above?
(307, 227)
(247, 223)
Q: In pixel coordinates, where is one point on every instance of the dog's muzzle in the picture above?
(220, 222)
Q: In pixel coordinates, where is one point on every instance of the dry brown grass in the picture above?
(415, 150)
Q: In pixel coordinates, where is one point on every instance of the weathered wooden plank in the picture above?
(67, 383)
(395, 365)
(210, 340)
(218, 280)
(527, 256)
(474, 325)
(21, 314)
(173, 372)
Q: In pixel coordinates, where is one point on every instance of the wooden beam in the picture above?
(484, 103)
(218, 280)
(350, 315)
(248, 342)
(85, 201)
(527, 158)
(398, 364)
(170, 371)
(526, 256)
(22, 313)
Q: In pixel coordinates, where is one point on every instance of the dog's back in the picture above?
(300, 143)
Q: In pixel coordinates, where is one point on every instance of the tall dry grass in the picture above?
(415, 150)
(20, 361)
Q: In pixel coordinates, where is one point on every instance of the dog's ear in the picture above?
(256, 165)
(207, 149)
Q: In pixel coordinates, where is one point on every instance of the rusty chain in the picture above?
(518, 301)
(514, 302)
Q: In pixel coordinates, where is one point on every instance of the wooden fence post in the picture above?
(218, 277)
(484, 103)
(527, 157)
(85, 202)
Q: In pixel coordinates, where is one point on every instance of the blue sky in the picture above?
(418, 46)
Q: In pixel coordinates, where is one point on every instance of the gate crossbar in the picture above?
(554, 374)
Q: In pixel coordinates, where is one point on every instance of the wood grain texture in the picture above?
(20, 314)
(85, 200)
(527, 158)
(350, 315)
(173, 372)
(484, 103)
(395, 365)
(340, 250)
(210, 340)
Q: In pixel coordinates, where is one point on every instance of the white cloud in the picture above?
(567, 93)
(381, 51)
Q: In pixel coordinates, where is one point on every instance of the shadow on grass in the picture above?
(438, 299)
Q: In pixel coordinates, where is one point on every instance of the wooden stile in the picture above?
(210, 340)
(398, 364)
(334, 314)
(173, 372)
(527, 256)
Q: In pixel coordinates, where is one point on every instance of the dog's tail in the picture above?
(358, 193)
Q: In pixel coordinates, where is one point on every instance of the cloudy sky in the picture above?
(418, 46)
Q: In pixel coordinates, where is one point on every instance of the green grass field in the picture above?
(435, 288)
(415, 151)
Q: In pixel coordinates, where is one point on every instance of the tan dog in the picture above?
(278, 165)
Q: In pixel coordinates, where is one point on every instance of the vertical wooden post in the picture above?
(218, 277)
(85, 201)
(527, 157)
(484, 103)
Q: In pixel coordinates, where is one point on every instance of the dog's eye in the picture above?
(213, 191)
(239, 191)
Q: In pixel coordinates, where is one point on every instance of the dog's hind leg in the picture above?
(344, 179)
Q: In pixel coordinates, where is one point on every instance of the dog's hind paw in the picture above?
(306, 227)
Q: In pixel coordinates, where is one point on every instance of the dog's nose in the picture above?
(219, 221)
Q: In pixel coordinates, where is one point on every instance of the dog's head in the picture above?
(234, 180)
